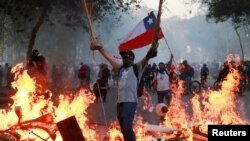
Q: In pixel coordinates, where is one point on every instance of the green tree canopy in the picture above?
(68, 12)
(27, 16)
(238, 11)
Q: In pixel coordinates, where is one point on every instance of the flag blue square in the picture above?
(149, 21)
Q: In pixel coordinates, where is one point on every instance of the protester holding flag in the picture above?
(127, 82)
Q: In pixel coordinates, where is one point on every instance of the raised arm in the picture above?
(115, 64)
(169, 63)
(171, 59)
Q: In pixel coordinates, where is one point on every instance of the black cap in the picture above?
(185, 62)
(127, 53)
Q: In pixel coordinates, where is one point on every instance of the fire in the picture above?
(115, 133)
(220, 106)
(28, 106)
(177, 117)
(210, 107)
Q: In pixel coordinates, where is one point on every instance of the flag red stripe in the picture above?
(140, 41)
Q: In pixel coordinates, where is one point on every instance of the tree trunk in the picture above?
(242, 52)
(2, 28)
(35, 30)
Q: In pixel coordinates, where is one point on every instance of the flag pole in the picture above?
(157, 26)
(90, 27)
(91, 31)
(93, 39)
(175, 64)
(167, 45)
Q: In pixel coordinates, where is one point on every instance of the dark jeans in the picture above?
(125, 115)
(162, 94)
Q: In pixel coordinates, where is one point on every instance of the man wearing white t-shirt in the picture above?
(161, 84)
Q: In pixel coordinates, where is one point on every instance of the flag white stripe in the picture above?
(138, 30)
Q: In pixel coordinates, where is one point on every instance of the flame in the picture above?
(210, 107)
(30, 107)
(178, 120)
(216, 107)
(34, 106)
(114, 132)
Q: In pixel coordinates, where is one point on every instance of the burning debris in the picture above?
(33, 117)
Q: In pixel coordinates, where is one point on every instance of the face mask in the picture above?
(127, 63)
(161, 70)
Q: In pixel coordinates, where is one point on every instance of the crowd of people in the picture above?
(96, 77)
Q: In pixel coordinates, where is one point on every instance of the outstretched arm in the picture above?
(115, 64)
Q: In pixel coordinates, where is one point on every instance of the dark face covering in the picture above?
(127, 58)
(127, 63)
(161, 70)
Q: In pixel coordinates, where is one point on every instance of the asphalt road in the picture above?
(96, 112)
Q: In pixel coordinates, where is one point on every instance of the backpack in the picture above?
(97, 88)
(204, 71)
(140, 84)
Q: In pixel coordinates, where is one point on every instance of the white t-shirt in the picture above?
(127, 84)
(162, 81)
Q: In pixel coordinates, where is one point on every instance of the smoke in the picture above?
(193, 39)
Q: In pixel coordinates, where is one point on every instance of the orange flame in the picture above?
(210, 107)
(217, 107)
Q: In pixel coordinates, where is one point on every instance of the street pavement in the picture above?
(97, 114)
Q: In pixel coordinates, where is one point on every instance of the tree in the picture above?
(68, 12)
(238, 11)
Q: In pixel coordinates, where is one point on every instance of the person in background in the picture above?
(83, 75)
(204, 74)
(186, 75)
(161, 84)
(100, 89)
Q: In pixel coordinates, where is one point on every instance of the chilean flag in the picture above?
(141, 35)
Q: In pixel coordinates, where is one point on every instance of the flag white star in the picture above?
(150, 21)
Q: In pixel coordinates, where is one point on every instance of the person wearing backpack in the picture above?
(161, 84)
(162, 81)
(100, 89)
(127, 98)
